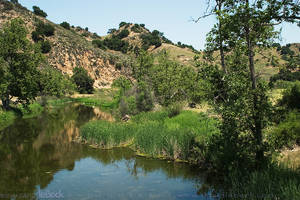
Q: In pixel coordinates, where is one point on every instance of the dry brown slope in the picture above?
(70, 49)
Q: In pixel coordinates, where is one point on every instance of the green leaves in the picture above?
(20, 60)
(82, 80)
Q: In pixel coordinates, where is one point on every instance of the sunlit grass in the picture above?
(154, 133)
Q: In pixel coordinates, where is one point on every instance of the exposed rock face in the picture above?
(70, 49)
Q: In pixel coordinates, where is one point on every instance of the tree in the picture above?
(66, 25)
(39, 12)
(19, 61)
(54, 83)
(82, 80)
(247, 24)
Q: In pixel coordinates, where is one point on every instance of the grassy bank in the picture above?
(153, 134)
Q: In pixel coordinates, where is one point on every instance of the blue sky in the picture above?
(172, 17)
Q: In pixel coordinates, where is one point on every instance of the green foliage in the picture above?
(30, 111)
(274, 182)
(149, 39)
(19, 61)
(122, 24)
(39, 12)
(6, 118)
(66, 25)
(54, 83)
(136, 28)
(42, 30)
(174, 109)
(291, 97)
(123, 83)
(45, 46)
(285, 75)
(115, 43)
(286, 133)
(111, 31)
(82, 80)
(153, 133)
(181, 45)
(123, 34)
(144, 98)
(99, 44)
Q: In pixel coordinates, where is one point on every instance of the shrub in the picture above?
(45, 46)
(115, 43)
(39, 12)
(136, 28)
(66, 25)
(122, 24)
(287, 133)
(144, 98)
(291, 97)
(99, 44)
(285, 75)
(48, 30)
(174, 109)
(36, 36)
(123, 34)
(123, 83)
(82, 80)
(150, 39)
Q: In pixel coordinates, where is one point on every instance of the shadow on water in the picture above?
(38, 154)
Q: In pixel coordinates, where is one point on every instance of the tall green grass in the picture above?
(274, 182)
(154, 133)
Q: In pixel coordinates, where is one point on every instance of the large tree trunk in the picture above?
(257, 129)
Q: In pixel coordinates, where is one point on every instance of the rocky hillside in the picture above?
(70, 48)
(107, 57)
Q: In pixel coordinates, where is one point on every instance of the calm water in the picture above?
(38, 160)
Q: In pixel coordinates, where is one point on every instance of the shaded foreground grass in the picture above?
(153, 134)
(273, 182)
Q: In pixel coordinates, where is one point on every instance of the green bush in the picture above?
(136, 28)
(174, 109)
(291, 97)
(39, 12)
(123, 34)
(45, 46)
(42, 30)
(115, 43)
(6, 118)
(66, 25)
(286, 133)
(99, 44)
(122, 24)
(54, 83)
(82, 80)
(123, 83)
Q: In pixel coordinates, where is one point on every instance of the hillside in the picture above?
(107, 57)
(70, 49)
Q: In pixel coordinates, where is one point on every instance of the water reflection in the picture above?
(38, 154)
